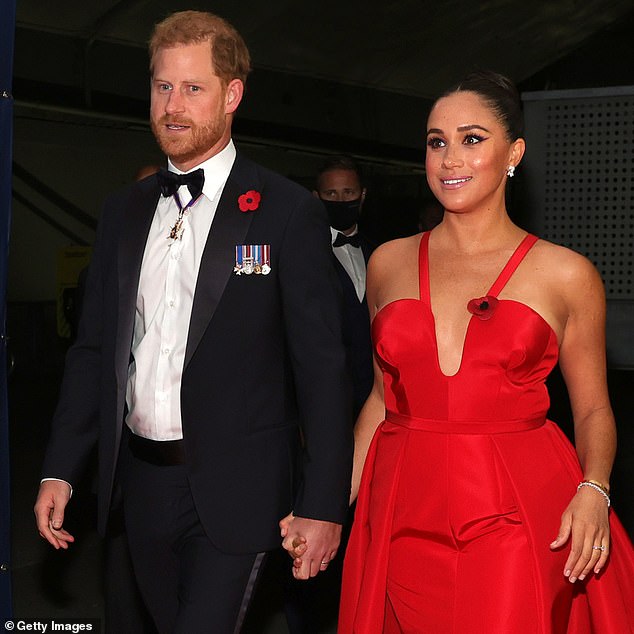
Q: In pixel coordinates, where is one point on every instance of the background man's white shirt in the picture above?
(352, 260)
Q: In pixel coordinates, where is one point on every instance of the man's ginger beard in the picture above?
(188, 146)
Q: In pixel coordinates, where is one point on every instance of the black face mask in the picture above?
(343, 214)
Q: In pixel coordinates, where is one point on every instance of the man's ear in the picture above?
(233, 95)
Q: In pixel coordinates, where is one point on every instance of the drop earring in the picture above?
(510, 171)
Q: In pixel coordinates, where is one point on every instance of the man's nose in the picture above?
(175, 103)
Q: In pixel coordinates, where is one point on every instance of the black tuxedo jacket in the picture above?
(356, 332)
(264, 360)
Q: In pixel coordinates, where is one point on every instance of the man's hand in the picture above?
(317, 542)
(49, 509)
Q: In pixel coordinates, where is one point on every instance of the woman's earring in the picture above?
(510, 171)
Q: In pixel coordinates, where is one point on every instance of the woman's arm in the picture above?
(370, 417)
(583, 365)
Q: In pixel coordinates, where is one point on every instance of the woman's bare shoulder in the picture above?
(563, 257)
(565, 267)
(393, 271)
(393, 251)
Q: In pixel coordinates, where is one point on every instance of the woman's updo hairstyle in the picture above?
(501, 95)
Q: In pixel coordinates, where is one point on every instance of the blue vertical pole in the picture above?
(7, 34)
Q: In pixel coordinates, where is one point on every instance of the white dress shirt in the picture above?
(353, 262)
(164, 304)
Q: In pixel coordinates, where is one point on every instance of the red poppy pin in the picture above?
(483, 307)
(249, 201)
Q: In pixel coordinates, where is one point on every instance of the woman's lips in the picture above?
(455, 183)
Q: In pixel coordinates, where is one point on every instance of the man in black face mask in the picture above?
(339, 186)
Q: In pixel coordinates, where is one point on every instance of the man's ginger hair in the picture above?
(229, 53)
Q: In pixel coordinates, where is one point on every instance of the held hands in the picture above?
(311, 543)
(49, 508)
(585, 521)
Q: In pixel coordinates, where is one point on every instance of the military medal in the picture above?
(253, 259)
(176, 232)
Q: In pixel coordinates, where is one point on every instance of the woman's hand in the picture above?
(296, 546)
(585, 523)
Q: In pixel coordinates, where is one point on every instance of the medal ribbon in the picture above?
(176, 231)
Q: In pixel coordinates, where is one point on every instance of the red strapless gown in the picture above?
(464, 485)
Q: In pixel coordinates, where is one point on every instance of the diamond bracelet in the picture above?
(596, 487)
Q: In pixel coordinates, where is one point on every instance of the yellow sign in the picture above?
(71, 261)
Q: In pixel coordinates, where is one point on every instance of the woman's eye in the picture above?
(472, 139)
(435, 143)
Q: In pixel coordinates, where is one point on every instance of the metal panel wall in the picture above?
(579, 186)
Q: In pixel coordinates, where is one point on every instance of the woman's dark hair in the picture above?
(500, 93)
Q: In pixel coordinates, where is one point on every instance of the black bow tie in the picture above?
(170, 182)
(342, 239)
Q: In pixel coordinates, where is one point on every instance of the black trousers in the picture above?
(125, 612)
(187, 584)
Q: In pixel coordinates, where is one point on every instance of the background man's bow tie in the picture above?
(170, 182)
(342, 239)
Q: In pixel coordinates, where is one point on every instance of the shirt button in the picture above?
(171, 303)
(166, 350)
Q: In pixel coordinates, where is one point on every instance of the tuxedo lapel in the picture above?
(229, 228)
(366, 249)
(344, 277)
(136, 221)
